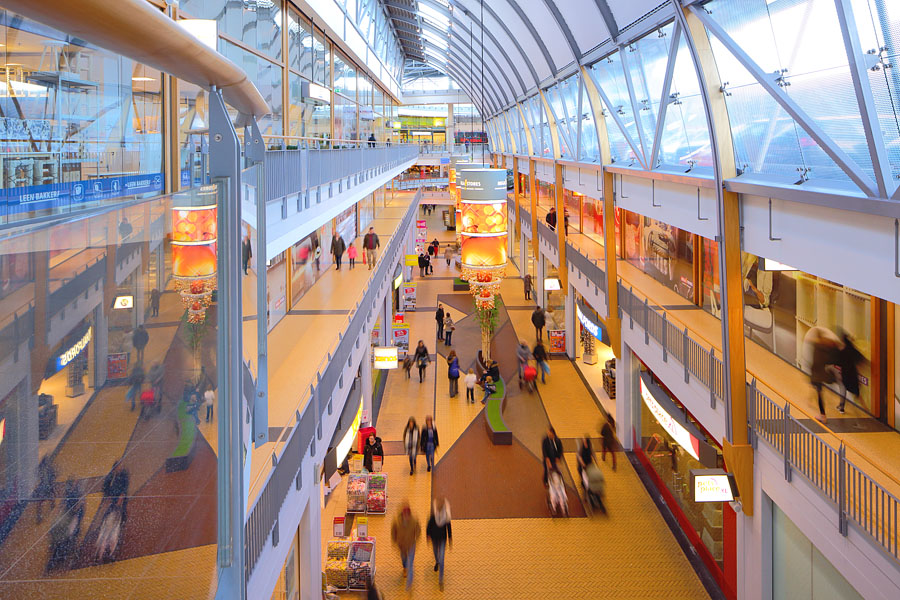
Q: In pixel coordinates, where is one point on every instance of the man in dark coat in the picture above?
(552, 450)
(439, 317)
(538, 320)
(337, 249)
(139, 340)
(551, 218)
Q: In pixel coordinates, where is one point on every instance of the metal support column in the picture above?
(225, 170)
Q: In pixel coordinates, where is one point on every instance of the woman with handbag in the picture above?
(421, 358)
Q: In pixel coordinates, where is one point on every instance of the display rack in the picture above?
(336, 573)
(357, 489)
(360, 564)
(376, 498)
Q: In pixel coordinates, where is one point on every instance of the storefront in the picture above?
(671, 444)
(276, 290)
(305, 269)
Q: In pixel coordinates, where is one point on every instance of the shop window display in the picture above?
(304, 272)
(573, 209)
(673, 443)
(781, 306)
(662, 251)
(592, 219)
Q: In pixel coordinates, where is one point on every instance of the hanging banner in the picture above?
(408, 295)
(557, 339)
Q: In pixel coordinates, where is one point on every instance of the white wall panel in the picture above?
(671, 203)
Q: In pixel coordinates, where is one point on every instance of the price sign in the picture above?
(362, 527)
(338, 526)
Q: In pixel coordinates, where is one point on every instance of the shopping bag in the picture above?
(545, 367)
(129, 395)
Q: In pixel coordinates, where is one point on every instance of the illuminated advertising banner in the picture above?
(483, 217)
(194, 241)
(675, 429)
(385, 357)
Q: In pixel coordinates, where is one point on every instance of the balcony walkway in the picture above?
(515, 557)
(300, 342)
(870, 444)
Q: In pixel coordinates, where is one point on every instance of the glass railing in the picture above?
(108, 412)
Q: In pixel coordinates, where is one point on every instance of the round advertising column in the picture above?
(483, 220)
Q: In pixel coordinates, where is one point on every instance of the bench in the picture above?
(187, 436)
(496, 427)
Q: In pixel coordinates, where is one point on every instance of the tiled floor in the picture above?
(631, 554)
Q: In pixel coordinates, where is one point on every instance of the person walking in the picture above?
(317, 257)
(337, 250)
(440, 534)
(351, 254)
(428, 439)
(246, 252)
(595, 483)
(540, 357)
(523, 354)
(371, 140)
(370, 244)
(538, 319)
(453, 371)
(428, 268)
(439, 318)
(139, 340)
(209, 400)
(407, 364)
(115, 487)
(526, 282)
(45, 490)
(471, 380)
(849, 359)
(136, 381)
(552, 450)
(372, 449)
(405, 531)
(551, 218)
(608, 437)
(824, 356)
(154, 302)
(411, 443)
(448, 254)
(423, 264)
(448, 328)
(585, 453)
(422, 359)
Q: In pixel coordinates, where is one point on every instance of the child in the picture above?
(470, 385)
(489, 388)
(351, 254)
(407, 364)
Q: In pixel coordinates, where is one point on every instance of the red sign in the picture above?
(117, 365)
(557, 338)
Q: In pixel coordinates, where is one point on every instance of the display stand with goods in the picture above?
(376, 500)
(360, 564)
(336, 574)
(357, 488)
(609, 378)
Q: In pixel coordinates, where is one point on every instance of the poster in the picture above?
(408, 295)
(557, 339)
(117, 365)
(411, 260)
(400, 337)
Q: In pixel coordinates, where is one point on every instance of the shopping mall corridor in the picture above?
(522, 553)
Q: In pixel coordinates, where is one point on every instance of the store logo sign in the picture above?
(591, 327)
(70, 354)
(712, 485)
(385, 357)
(672, 427)
(123, 302)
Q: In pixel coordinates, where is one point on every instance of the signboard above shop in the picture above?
(713, 485)
(385, 357)
(673, 421)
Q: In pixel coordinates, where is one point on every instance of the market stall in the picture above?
(357, 489)
(376, 499)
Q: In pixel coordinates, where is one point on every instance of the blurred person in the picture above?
(317, 258)
(595, 486)
(540, 357)
(423, 264)
(538, 319)
(489, 388)
(371, 140)
(407, 364)
(370, 245)
(428, 440)
(154, 302)
(66, 529)
(551, 218)
(824, 356)
(448, 328)
(411, 443)
(471, 380)
(439, 318)
(429, 269)
(137, 381)
(352, 254)
(422, 359)
(453, 371)
(566, 221)
(337, 250)
(448, 254)
(608, 437)
(139, 339)
(405, 531)
(552, 451)
(209, 400)
(440, 534)
(585, 453)
(373, 448)
(193, 407)
(204, 381)
(246, 252)
(523, 354)
(115, 487)
(526, 282)
(125, 228)
(430, 250)
(46, 487)
(849, 359)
